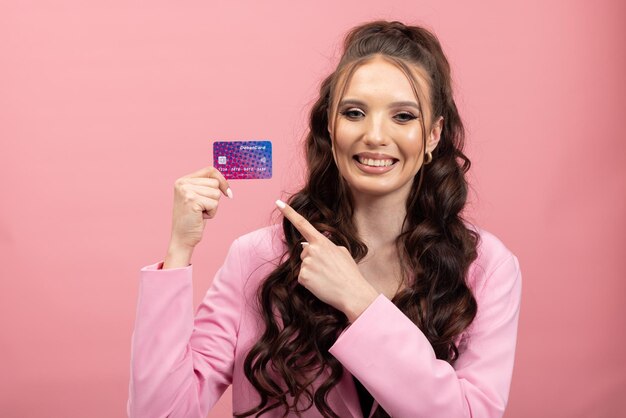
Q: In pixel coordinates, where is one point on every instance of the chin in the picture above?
(371, 190)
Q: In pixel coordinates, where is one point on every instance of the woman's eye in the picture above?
(354, 113)
(351, 113)
(405, 117)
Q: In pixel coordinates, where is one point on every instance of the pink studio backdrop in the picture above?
(104, 104)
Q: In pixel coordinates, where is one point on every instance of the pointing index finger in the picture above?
(307, 230)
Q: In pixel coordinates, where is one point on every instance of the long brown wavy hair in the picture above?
(434, 245)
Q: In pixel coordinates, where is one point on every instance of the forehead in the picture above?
(381, 79)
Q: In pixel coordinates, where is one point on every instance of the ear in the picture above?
(329, 124)
(332, 144)
(435, 134)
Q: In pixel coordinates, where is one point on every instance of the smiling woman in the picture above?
(379, 113)
(374, 298)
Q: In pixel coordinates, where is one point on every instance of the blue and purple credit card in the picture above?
(243, 159)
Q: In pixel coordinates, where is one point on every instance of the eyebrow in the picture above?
(360, 103)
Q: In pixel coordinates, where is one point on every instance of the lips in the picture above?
(375, 159)
(373, 169)
(375, 156)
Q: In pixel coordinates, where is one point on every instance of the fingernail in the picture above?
(280, 204)
(304, 244)
(229, 193)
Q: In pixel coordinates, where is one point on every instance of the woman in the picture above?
(374, 298)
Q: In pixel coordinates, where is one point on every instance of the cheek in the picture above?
(412, 145)
(342, 146)
(344, 137)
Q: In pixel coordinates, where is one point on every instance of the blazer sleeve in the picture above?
(393, 359)
(181, 365)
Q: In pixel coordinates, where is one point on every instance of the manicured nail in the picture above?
(280, 204)
(304, 244)
(229, 193)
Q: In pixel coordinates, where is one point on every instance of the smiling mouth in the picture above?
(370, 162)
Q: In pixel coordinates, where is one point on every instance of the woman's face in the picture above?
(378, 139)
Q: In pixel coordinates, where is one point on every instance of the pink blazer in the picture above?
(182, 362)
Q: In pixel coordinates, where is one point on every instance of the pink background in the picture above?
(103, 105)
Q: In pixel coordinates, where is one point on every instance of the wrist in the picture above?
(175, 247)
(177, 256)
(359, 302)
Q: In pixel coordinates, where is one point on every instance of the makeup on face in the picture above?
(378, 141)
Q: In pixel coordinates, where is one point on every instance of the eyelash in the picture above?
(411, 116)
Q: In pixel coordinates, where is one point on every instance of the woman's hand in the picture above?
(329, 271)
(196, 197)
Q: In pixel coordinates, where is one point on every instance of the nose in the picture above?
(374, 134)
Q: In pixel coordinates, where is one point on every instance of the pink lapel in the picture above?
(349, 396)
(347, 393)
(374, 406)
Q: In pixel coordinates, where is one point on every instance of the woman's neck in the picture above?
(378, 219)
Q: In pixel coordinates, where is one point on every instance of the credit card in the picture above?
(243, 159)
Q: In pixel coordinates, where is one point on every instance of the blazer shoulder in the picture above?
(262, 245)
(491, 254)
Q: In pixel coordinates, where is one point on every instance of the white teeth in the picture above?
(375, 163)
